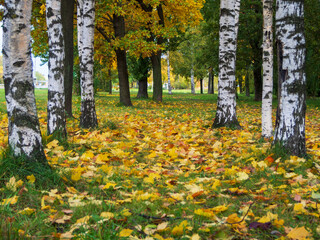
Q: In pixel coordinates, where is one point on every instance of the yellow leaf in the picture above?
(299, 208)
(204, 212)
(83, 220)
(88, 155)
(177, 230)
(195, 237)
(126, 212)
(125, 232)
(220, 208)
(270, 216)
(298, 233)
(76, 176)
(31, 179)
(108, 185)
(162, 226)
(241, 176)
(53, 144)
(10, 201)
(27, 211)
(233, 218)
(216, 184)
(107, 215)
(12, 185)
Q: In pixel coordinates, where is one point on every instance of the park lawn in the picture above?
(158, 171)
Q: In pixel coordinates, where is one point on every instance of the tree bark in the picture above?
(211, 81)
(201, 85)
(24, 134)
(290, 129)
(86, 17)
(266, 120)
(119, 29)
(157, 76)
(226, 106)
(247, 84)
(257, 82)
(56, 98)
(143, 87)
(193, 90)
(67, 13)
(168, 69)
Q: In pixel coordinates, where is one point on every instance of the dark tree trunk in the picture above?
(257, 83)
(157, 79)
(119, 29)
(110, 82)
(67, 14)
(211, 82)
(201, 85)
(247, 84)
(240, 84)
(143, 87)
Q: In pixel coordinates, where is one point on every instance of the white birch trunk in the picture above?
(290, 129)
(168, 69)
(226, 106)
(56, 97)
(86, 17)
(24, 130)
(193, 91)
(267, 88)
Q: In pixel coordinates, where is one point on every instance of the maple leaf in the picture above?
(299, 233)
(125, 232)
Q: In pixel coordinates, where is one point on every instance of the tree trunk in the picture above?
(226, 106)
(211, 81)
(266, 120)
(257, 82)
(119, 29)
(110, 81)
(143, 87)
(67, 13)
(56, 98)
(88, 118)
(193, 90)
(169, 80)
(247, 84)
(201, 85)
(24, 134)
(157, 78)
(290, 130)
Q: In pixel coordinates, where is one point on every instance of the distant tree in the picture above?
(24, 129)
(39, 76)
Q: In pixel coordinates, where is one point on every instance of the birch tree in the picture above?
(56, 98)
(24, 130)
(290, 128)
(226, 106)
(85, 18)
(267, 69)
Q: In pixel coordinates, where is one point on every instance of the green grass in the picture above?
(162, 163)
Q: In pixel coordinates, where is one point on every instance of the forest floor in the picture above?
(158, 171)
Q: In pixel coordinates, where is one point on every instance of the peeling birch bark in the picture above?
(267, 89)
(290, 128)
(23, 124)
(56, 97)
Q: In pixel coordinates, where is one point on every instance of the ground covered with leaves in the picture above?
(158, 171)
